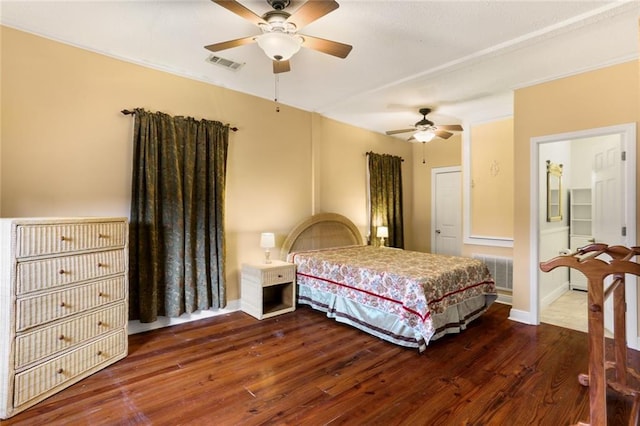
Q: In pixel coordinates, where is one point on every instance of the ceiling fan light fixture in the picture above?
(424, 135)
(279, 46)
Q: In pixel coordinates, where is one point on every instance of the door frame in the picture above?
(435, 171)
(628, 139)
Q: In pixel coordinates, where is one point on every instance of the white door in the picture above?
(608, 208)
(446, 211)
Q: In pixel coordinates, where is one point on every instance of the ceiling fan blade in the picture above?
(329, 47)
(450, 127)
(442, 134)
(311, 11)
(216, 47)
(240, 10)
(281, 66)
(395, 132)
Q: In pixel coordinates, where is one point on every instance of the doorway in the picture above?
(592, 159)
(446, 211)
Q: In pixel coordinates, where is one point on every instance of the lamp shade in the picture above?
(382, 232)
(279, 46)
(267, 240)
(424, 135)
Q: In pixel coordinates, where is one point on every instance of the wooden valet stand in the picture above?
(618, 262)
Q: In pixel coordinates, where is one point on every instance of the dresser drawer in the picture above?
(58, 271)
(43, 308)
(39, 240)
(47, 341)
(69, 367)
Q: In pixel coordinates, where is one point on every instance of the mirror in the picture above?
(554, 192)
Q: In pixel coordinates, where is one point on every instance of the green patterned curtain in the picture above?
(176, 240)
(385, 194)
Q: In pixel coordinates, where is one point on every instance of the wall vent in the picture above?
(501, 269)
(225, 63)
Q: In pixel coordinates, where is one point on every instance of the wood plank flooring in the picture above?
(302, 368)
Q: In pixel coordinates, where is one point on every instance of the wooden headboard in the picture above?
(323, 230)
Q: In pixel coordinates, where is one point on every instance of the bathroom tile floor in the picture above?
(568, 311)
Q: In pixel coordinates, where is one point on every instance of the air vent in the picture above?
(225, 63)
(501, 269)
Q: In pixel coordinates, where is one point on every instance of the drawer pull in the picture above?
(60, 371)
(61, 337)
(103, 236)
(62, 304)
(63, 238)
(62, 271)
(280, 275)
(102, 294)
(100, 323)
(100, 264)
(99, 353)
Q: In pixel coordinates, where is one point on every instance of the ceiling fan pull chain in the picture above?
(277, 89)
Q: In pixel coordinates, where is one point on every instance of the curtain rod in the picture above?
(371, 152)
(128, 112)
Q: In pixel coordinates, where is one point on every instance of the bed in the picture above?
(407, 298)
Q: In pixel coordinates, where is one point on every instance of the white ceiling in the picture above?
(463, 58)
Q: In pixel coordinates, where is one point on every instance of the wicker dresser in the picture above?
(63, 304)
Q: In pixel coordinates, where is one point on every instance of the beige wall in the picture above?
(491, 169)
(66, 148)
(600, 98)
(341, 164)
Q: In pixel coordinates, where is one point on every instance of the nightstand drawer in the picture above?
(277, 276)
(270, 276)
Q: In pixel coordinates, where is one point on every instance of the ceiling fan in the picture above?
(280, 39)
(425, 129)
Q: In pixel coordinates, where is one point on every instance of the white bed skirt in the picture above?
(390, 327)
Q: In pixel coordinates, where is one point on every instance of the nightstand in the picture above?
(268, 289)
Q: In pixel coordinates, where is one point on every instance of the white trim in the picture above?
(467, 236)
(435, 171)
(505, 299)
(522, 316)
(136, 326)
(628, 139)
(631, 281)
(481, 240)
(534, 232)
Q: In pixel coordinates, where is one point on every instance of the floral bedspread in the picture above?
(410, 285)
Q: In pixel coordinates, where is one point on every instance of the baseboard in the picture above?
(522, 316)
(505, 299)
(136, 326)
(554, 295)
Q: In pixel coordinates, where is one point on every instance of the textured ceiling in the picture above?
(462, 58)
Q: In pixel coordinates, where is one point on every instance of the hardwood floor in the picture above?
(302, 368)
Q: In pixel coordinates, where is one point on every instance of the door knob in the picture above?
(437, 231)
